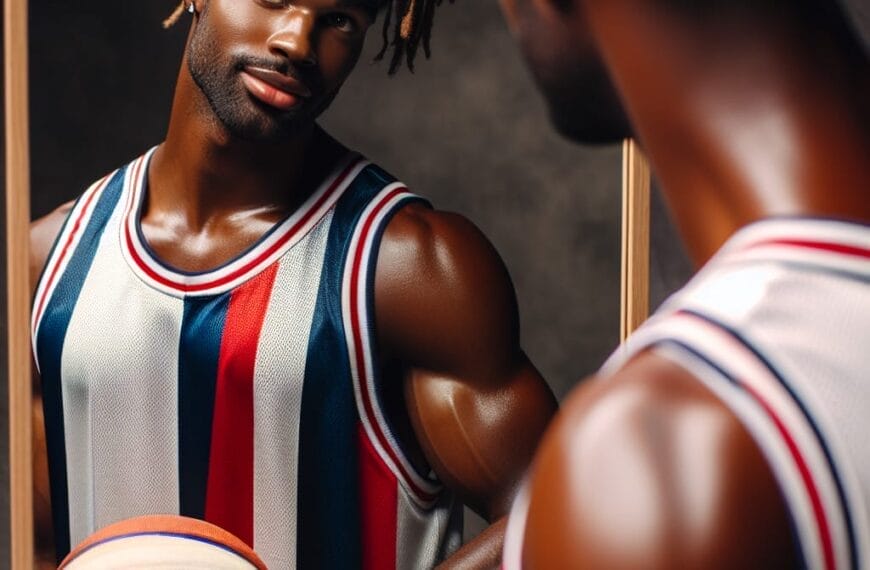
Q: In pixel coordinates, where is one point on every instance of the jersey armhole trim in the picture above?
(69, 235)
(358, 317)
(779, 422)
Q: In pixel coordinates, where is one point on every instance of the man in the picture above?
(253, 325)
(731, 431)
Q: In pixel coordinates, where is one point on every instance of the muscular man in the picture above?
(731, 432)
(254, 325)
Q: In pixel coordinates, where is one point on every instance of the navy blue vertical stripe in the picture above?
(201, 331)
(328, 511)
(328, 516)
(49, 351)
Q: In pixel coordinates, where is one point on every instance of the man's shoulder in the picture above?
(440, 283)
(419, 233)
(440, 243)
(650, 452)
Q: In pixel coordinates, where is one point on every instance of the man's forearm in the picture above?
(484, 552)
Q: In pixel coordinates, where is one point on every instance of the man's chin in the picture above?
(267, 135)
(266, 127)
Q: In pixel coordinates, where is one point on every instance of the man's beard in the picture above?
(218, 79)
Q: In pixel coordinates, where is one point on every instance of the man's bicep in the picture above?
(447, 310)
(478, 437)
(444, 299)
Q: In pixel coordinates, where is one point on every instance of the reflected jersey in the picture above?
(247, 395)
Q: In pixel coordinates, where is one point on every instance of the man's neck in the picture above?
(742, 119)
(201, 172)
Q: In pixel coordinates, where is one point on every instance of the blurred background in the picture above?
(467, 130)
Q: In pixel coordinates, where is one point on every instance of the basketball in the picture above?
(162, 541)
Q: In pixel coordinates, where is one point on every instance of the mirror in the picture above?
(467, 130)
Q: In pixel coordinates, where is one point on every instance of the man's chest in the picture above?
(126, 341)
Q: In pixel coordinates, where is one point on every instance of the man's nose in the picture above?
(293, 37)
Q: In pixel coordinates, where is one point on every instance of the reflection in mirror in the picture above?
(467, 130)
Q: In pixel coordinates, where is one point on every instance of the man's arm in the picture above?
(446, 310)
(650, 470)
(43, 233)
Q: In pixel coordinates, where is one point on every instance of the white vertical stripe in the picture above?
(60, 256)
(278, 381)
(119, 376)
(426, 536)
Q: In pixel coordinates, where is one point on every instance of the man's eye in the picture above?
(341, 22)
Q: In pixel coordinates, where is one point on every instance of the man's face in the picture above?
(559, 50)
(269, 67)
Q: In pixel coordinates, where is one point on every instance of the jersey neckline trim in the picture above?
(829, 244)
(265, 251)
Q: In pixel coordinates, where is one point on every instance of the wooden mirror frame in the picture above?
(17, 143)
(634, 282)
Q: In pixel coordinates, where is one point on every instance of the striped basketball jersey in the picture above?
(777, 326)
(248, 395)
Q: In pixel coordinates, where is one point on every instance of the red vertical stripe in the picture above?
(379, 502)
(230, 494)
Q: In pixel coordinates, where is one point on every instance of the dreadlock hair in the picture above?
(407, 25)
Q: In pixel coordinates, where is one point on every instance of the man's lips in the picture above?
(273, 88)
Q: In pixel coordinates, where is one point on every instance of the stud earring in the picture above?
(191, 8)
